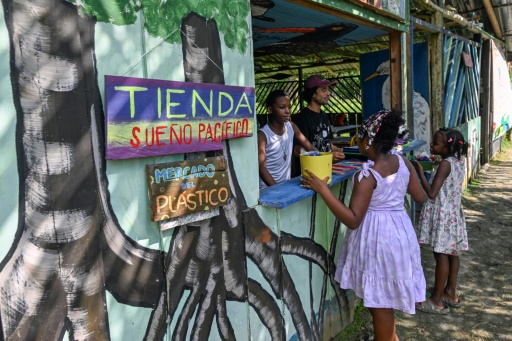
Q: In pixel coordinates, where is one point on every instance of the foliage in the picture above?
(117, 12)
(359, 327)
(506, 146)
(162, 19)
(472, 185)
(506, 142)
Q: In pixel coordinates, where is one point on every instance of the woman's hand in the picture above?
(313, 182)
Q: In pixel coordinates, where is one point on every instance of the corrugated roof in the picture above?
(336, 62)
(287, 47)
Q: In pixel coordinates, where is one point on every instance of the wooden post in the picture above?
(395, 66)
(409, 79)
(436, 72)
(486, 123)
(301, 87)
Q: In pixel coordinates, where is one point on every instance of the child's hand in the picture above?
(314, 182)
(417, 166)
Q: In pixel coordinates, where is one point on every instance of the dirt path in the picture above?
(485, 277)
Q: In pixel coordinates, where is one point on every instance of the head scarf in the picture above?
(371, 126)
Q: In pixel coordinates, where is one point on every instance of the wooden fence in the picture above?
(461, 72)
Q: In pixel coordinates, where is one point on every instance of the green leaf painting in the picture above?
(162, 19)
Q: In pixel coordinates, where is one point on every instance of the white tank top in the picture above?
(279, 153)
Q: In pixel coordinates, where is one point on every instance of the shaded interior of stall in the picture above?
(290, 48)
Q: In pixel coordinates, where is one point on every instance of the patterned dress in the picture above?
(380, 260)
(442, 221)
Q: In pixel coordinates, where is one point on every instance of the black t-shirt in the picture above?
(316, 127)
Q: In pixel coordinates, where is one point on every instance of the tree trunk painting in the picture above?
(69, 247)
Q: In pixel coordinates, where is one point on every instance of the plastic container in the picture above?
(424, 160)
(427, 165)
(320, 165)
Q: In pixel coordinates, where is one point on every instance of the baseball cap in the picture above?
(316, 80)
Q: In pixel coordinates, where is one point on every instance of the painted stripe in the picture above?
(50, 158)
(57, 226)
(84, 280)
(37, 62)
(80, 321)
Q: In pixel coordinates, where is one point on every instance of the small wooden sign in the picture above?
(468, 60)
(374, 3)
(183, 187)
(395, 8)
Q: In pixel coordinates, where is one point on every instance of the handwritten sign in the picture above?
(183, 187)
(147, 117)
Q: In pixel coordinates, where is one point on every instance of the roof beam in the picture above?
(447, 14)
(354, 13)
(326, 67)
(307, 66)
(433, 28)
(492, 17)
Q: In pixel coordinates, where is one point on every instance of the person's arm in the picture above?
(337, 153)
(443, 170)
(301, 140)
(414, 188)
(262, 160)
(353, 215)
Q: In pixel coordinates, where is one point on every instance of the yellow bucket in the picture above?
(320, 165)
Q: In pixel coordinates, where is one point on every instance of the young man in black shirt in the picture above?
(312, 122)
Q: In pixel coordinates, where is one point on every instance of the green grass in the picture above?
(472, 185)
(506, 143)
(359, 327)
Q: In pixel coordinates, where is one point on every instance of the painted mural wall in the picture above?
(375, 84)
(80, 256)
(501, 92)
(471, 131)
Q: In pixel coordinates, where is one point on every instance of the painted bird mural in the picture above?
(421, 108)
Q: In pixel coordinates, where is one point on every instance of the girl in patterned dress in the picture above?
(380, 259)
(442, 222)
